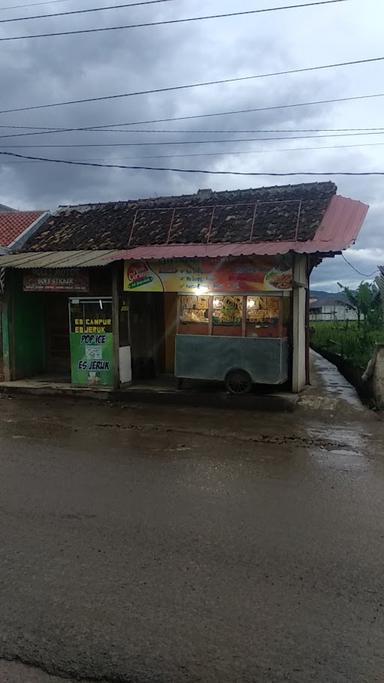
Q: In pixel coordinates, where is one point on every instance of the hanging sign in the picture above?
(248, 274)
(56, 280)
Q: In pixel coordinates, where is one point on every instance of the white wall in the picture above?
(334, 312)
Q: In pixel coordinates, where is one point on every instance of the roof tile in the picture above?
(13, 224)
(268, 214)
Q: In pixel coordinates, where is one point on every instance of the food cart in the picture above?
(238, 339)
(232, 320)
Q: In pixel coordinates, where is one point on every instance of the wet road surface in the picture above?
(158, 544)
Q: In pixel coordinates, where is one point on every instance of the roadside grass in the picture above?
(353, 343)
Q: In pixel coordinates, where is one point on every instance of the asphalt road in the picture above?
(173, 545)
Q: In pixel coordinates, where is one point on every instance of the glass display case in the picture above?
(263, 315)
(227, 315)
(234, 316)
(238, 339)
(194, 314)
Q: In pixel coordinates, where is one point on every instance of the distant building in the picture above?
(330, 307)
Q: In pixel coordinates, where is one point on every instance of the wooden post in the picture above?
(300, 286)
(116, 325)
(7, 314)
(6, 341)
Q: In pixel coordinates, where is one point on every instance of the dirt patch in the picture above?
(270, 439)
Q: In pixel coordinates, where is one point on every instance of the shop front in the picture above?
(227, 320)
(61, 326)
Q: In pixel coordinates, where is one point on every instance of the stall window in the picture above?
(263, 316)
(227, 315)
(194, 315)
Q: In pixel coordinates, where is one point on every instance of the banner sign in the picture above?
(56, 280)
(247, 274)
(92, 352)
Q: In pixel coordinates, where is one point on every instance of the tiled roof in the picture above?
(13, 224)
(269, 214)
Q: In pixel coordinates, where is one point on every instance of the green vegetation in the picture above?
(354, 341)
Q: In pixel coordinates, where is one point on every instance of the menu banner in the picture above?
(191, 276)
(92, 359)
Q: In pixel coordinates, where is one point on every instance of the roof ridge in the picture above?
(195, 196)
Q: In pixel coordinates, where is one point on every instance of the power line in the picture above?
(48, 131)
(166, 22)
(259, 151)
(186, 142)
(189, 86)
(237, 152)
(356, 269)
(193, 170)
(234, 152)
(84, 11)
(361, 131)
(32, 4)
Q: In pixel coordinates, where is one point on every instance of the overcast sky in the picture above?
(65, 68)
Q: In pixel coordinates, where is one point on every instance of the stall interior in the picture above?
(156, 318)
(152, 332)
(234, 316)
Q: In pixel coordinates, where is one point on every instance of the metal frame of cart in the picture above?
(247, 357)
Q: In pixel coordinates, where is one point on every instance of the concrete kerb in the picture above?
(279, 402)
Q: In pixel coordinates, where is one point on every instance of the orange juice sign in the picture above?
(188, 276)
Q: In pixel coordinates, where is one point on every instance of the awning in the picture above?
(59, 259)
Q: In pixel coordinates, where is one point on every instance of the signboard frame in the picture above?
(58, 280)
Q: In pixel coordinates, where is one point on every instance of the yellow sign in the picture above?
(191, 276)
(92, 325)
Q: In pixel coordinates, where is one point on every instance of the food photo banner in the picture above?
(191, 276)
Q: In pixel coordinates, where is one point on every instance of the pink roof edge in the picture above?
(338, 230)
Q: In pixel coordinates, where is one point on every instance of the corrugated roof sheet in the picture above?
(60, 259)
(14, 223)
(338, 230)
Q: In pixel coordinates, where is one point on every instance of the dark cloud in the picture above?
(48, 70)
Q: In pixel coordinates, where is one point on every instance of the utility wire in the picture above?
(235, 152)
(84, 11)
(193, 170)
(153, 2)
(48, 131)
(238, 131)
(231, 152)
(357, 270)
(166, 22)
(189, 86)
(255, 151)
(32, 4)
(185, 142)
(104, 126)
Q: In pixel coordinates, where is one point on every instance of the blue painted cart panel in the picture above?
(211, 358)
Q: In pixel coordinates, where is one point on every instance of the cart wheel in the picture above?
(238, 382)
